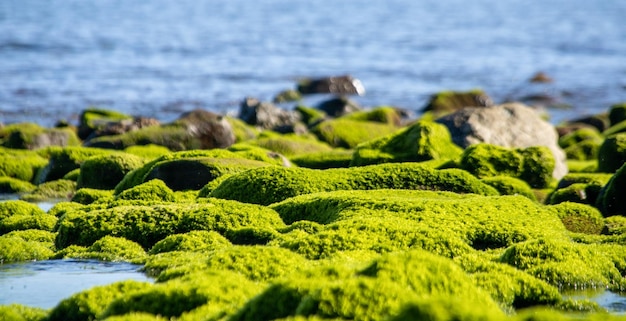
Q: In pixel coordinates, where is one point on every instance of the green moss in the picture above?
(273, 184)
(348, 133)
(243, 132)
(43, 222)
(18, 208)
(617, 113)
(10, 185)
(615, 225)
(63, 160)
(534, 165)
(287, 96)
(59, 209)
(111, 248)
(588, 166)
(449, 101)
(615, 129)
(578, 192)
(611, 200)
(93, 119)
(72, 175)
(336, 158)
(18, 247)
(106, 171)
(18, 312)
(149, 151)
(52, 190)
(291, 144)
(396, 220)
(599, 179)
(612, 154)
(580, 135)
(22, 165)
(507, 185)
(445, 309)
(191, 241)
(152, 190)
(174, 136)
(152, 222)
(33, 235)
(32, 136)
(586, 150)
(310, 116)
(382, 114)
(223, 290)
(251, 236)
(579, 218)
(87, 196)
(565, 264)
(90, 304)
(421, 141)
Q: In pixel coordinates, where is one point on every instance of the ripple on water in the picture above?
(44, 284)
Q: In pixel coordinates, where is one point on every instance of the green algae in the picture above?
(152, 190)
(18, 207)
(273, 184)
(507, 185)
(612, 153)
(52, 190)
(615, 225)
(533, 165)
(18, 312)
(610, 201)
(149, 151)
(20, 164)
(582, 144)
(106, 171)
(32, 136)
(20, 246)
(381, 114)
(336, 158)
(290, 144)
(579, 218)
(348, 133)
(63, 160)
(21, 215)
(421, 141)
(87, 196)
(191, 241)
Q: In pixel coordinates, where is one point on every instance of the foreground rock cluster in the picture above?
(476, 212)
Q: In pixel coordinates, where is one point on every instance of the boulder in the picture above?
(266, 115)
(32, 136)
(512, 125)
(338, 106)
(94, 119)
(617, 114)
(122, 126)
(450, 101)
(612, 153)
(339, 85)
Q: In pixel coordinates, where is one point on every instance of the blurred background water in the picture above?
(159, 58)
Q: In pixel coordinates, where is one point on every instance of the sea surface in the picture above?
(159, 58)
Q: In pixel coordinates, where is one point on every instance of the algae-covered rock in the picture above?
(382, 114)
(336, 158)
(106, 171)
(582, 144)
(26, 245)
(149, 151)
(611, 200)
(612, 154)
(347, 132)
(449, 101)
(90, 304)
(87, 196)
(152, 190)
(19, 207)
(290, 144)
(533, 165)
(393, 220)
(32, 136)
(10, 185)
(94, 119)
(615, 225)
(579, 218)
(60, 189)
(63, 160)
(18, 312)
(191, 241)
(151, 222)
(565, 264)
(578, 192)
(508, 185)
(272, 184)
(43, 222)
(192, 169)
(447, 308)
(421, 141)
(19, 164)
(111, 248)
(617, 113)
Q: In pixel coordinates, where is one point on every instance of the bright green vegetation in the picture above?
(337, 158)
(268, 185)
(579, 218)
(12, 185)
(20, 164)
(419, 142)
(26, 245)
(63, 160)
(18, 312)
(32, 136)
(87, 196)
(20, 215)
(106, 171)
(383, 114)
(507, 185)
(348, 133)
(61, 189)
(290, 144)
(582, 144)
(449, 101)
(612, 153)
(148, 152)
(611, 200)
(191, 241)
(93, 119)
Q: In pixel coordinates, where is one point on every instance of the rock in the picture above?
(338, 106)
(611, 200)
(94, 119)
(266, 115)
(348, 133)
(510, 125)
(339, 85)
(450, 101)
(612, 153)
(106, 171)
(212, 130)
(287, 96)
(123, 126)
(541, 77)
(32, 136)
(617, 114)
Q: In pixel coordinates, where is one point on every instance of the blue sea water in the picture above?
(160, 58)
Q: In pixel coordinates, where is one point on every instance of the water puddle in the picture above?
(613, 302)
(44, 284)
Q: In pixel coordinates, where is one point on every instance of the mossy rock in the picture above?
(290, 144)
(106, 171)
(268, 185)
(61, 189)
(108, 249)
(18, 312)
(582, 144)
(336, 158)
(19, 208)
(148, 152)
(615, 225)
(611, 200)
(94, 119)
(249, 151)
(507, 185)
(172, 136)
(533, 165)
(586, 166)
(63, 160)
(382, 114)
(579, 218)
(87, 196)
(577, 192)
(152, 221)
(580, 135)
(72, 175)
(43, 222)
(419, 142)
(450, 101)
(617, 113)
(445, 309)
(10, 185)
(565, 264)
(32, 136)
(310, 116)
(348, 133)
(152, 190)
(612, 154)
(90, 304)
(191, 169)
(242, 130)
(19, 246)
(20, 164)
(191, 241)
(615, 129)
(288, 95)
(396, 220)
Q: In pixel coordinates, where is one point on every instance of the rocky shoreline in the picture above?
(473, 211)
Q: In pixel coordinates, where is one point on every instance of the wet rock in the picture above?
(450, 101)
(338, 106)
(210, 129)
(617, 114)
(266, 115)
(123, 126)
(94, 119)
(611, 200)
(32, 136)
(339, 85)
(541, 77)
(508, 125)
(612, 153)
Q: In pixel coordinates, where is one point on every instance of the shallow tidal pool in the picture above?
(44, 284)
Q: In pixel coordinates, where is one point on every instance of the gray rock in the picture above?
(266, 115)
(211, 130)
(339, 85)
(508, 125)
(338, 106)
